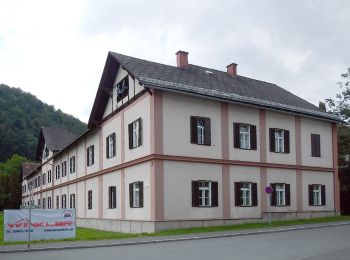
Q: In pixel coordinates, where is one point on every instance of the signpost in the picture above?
(268, 191)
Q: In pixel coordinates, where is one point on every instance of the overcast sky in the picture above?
(57, 49)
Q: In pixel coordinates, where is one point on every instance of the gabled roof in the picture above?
(55, 139)
(206, 82)
(28, 168)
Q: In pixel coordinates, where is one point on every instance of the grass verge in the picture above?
(92, 234)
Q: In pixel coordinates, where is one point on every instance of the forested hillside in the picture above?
(21, 115)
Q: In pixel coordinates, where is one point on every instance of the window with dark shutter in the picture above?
(200, 136)
(122, 89)
(141, 194)
(272, 139)
(195, 193)
(287, 187)
(214, 194)
(107, 147)
(323, 195)
(193, 129)
(135, 133)
(311, 194)
(140, 132)
(315, 145)
(130, 136)
(254, 194)
(90, 199)
(237, 194)
(286, 141)
(114, 144)
(273, 195)
(207, 131)
(253, 137)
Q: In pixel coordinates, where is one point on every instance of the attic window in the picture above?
(209, 72)
(122, 89)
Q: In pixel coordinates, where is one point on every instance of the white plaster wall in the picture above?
(240, 114)
(112, 126)
(136, 173)
(244, 174)
(80, 199)
(178, 179)
(93, 139)
(286, 122)
(92, 184)
(177, 110)
(324, 178)
(324, 129)
(81, 158)
(111, 179)
(141, 109)
(288, 177)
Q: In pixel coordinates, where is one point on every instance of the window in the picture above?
(72, 201)
(112, 197)
(90, 155)
(244, 136)
(279, 140)
(49, 202)
(46, 153)
(44, 178)
(64, 201)
(57, 172)
(49, 176)
(39, 181)
(110, 146)
(280, 194)
(135, 134)
(57, 202)
(38, 202)
(90, 199)
(44, 203)
(72, 164)
(123, 89)
(204, 194)
(64, 168)
(35, 182)
(315, 145)
(317, 195)
(136, 194)
(200, 130)
(246, 194)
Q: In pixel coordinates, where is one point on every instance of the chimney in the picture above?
(232, 69)
(182, 59)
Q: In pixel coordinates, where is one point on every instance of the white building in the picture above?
(170, 147)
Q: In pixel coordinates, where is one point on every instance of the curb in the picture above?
(166, 240)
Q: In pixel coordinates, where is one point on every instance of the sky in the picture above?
(56, 50)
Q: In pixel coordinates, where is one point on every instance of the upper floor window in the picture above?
(110, 145)
(136, 194)
(244, 136)
(317, 195)
(280, 194)
(246, 194)
(44, 178)
(35, 182)
(49, 176)
(64, 168)
(112, 197)
(200, 130)
(135, 133)
(123, 89)
(90, 155)
(57, 172)
(279, 140)
(204, 194)
(72, 164)
(315, 145)
(39, 181)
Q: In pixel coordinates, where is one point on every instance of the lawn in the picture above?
(92, 234)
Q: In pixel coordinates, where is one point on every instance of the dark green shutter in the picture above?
(214, 194)
(254, 194)
(252, 137)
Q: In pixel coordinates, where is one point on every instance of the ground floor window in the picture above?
(112, 197)
(204, 193)
(136, 194)
(49, 205)
(246, 194)
(317, 195)
(280, 195)
(64, 201)
(57, 202)
(72, 201)
(90, 199)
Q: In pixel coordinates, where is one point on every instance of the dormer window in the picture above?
(46, 152)
(122, 89)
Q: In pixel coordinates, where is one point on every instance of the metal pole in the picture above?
(30, 216)
(269, 210)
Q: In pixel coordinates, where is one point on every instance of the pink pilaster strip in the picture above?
(299, 176)
(122, 172)
(85, 200)
(122, 183)
(263, 170)
(225, 170)
(157, 168)
(335, 166)
(100, 197)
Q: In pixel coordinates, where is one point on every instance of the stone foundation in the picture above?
(135, 226)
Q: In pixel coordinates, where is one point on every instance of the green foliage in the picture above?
(10, 182)
(21, 116)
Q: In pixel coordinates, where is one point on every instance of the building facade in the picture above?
(183, 146)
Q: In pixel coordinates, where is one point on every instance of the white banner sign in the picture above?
(45, 224)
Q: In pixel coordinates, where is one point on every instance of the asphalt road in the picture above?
(322, 243)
